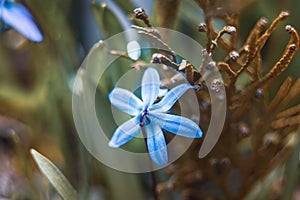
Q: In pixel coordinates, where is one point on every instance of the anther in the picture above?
(161, 59)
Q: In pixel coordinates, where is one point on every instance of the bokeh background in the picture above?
(36, 90)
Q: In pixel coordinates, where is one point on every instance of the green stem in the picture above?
(153, 177)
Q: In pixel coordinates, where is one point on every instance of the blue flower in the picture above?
(18, 17)
(150, 117)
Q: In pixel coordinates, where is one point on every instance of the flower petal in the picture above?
(177, 124)
(150, 86)
(170, 98)
(124, 133)
(156, 144)
(125, 101)
(18, 17)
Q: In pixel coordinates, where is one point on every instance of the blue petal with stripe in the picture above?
(177, 124)
(170, 98)
(124, 133)
(125, 101)
(18, 17)
(155, 116)
(150, 86)
(156, 144)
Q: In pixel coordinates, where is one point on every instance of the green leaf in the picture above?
(55, 176)
(104, 17)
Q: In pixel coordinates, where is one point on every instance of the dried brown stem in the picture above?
(262, 40)
(293, 93)
(281, 94)
(283, 62)
(121, 54)
(289, 112)
(161, 59)
(226, 67)
(159, 44)
(286, 121)
(212, 33)
(254, 44)
(226, 29)
(254, 35)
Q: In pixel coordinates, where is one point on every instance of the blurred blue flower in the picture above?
(19, 18)
(150, 117)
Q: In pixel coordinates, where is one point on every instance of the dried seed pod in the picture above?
(284, 14)
(293, 47)
(158, 58)
(294, 35)
(262, 40)
(202, 27)
(234, 55)
(198, 86)
(289, 28)
(243, 130)
(259, 93)
(230, 29)
(140, 13)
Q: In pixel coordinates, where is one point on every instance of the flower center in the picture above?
(144, 118)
